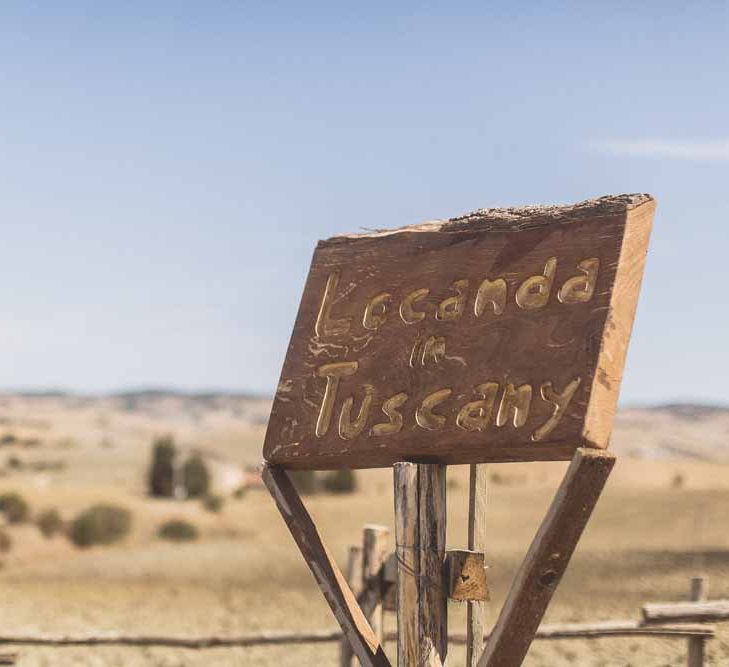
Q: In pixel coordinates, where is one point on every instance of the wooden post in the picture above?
(420, 512)
(476, 611)
(355, 581)
(699, 586)
(375, 546)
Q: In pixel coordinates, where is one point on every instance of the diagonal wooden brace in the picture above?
(547, 558)
(332, 583)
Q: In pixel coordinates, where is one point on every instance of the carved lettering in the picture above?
(390, 408)
(452, 307)
(349, 429)
(516, 401)
(424, 415)
(325, 325)
(579, 289)
(407, 313)
(560, 402)
(534, 292)
(430, 349)
(375, 312)
(333, 373)
(476, 415)
(492, 292)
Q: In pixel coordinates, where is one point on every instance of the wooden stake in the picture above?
(476, 611)
(696, 645)
(325, 570)
(547, 558)
(355, 581)
(420, 512)
(408, 564)
(375, 547)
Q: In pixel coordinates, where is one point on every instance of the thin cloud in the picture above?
(717, 150)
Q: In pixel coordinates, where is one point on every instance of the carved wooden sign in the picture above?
(497, 336)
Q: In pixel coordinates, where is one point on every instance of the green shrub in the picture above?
(196, 477)
(14, 507)
(100, 524)
(5, 542)
(340, 481)
(161, 477)
(178, 530)
(213, 503)
(240, 492)
(49, 522)
(305, 481)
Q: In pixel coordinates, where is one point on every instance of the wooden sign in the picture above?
(497, 336)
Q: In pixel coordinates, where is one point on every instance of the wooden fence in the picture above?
(372, 575)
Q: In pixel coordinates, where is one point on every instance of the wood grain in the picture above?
(356, 583)
(497, 336)
(547, 558)
(466, 573)
(476, 611)
(327, 574)
(686, 612)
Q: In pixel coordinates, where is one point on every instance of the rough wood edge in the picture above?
(514, 218)
(608, 374)
(327, 574)
(680, 612)
(547, 558)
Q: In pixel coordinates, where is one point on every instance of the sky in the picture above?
(167, 168)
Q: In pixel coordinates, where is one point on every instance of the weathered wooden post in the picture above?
(696, 645)
(356, 582)
(476, 611)
(375, 549)
(492, 337)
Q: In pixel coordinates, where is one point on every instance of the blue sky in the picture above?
(166, 168)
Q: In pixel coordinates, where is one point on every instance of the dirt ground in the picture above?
(649, 536)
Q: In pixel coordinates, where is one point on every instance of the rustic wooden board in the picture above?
(497, 336)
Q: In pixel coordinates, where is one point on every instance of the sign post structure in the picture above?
(493, 337)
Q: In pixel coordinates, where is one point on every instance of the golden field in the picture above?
(661, 520)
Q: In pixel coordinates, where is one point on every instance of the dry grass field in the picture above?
(661, 521)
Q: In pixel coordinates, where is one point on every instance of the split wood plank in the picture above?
(476, 611)
(328, 576)
(466, 573)
(547, 558)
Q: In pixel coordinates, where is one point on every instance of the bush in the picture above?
(213, 503)
(240, 492)
(305, 481)
(100, 524)
(49, 522)
(14, 507)
(196, 477)
(161, 481)
(340, 481)
(178, 530)
(5, 542)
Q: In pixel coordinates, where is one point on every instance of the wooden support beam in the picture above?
(547, 558)
(420, 514)
(466, 575)
(325, 570)
(476, 611)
